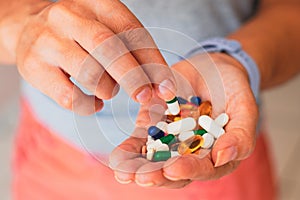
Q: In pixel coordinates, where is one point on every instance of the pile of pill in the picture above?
(187, 128)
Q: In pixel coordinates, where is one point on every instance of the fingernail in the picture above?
(171, 178)
(149, 184)
(226, 155)
(123, 181)
(144, 96)
(167, 89)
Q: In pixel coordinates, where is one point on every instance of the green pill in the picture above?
(161, 156)
(200, 132)
(168, 139)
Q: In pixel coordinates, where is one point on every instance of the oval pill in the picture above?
(154, 145)
(150, 154)
(186, 124)
(208, 141)
(173, 106)
(195, 100)
(185, 135)
(222, 119)
(161, 156)
(168, 139)
(181, 100)
(155, 132)
(162, 126)
(211, 126)
(162, 147)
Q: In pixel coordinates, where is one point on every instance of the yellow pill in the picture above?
(205, 108)
(176, 119)
(190, 145)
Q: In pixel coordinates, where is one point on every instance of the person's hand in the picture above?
(100, 44)
(225, 83)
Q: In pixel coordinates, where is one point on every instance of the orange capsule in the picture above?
(177, 119)
(205, 108)
(190, 145)
(144, 150)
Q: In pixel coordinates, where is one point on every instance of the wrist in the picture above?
(13, 21)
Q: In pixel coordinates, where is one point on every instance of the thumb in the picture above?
(236, 144)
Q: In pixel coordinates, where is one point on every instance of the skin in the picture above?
(276, 56)
(50, 42)
(269, 38)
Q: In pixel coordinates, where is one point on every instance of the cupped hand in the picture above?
(100, 44)
(218, 78)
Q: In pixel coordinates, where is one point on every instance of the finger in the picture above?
(238, 142)
(129, 149)
(138, 40)
(78, 63)
(107, 49)
(195, 168)
(125, 171)
(151, 175)
(55, 84)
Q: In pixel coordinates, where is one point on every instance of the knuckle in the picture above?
(100, 36)
(57, 9)
(89, 78)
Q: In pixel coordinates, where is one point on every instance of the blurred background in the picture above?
(281, 110)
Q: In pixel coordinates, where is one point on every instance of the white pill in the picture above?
(185, 135)
(186, 124)
(174, 154)
(208, 140)
(211, 126)
(222, 119)
(173, 106)
(162, 126)
(154, 145)
(167, 112)
(162, 147)
(150, 154)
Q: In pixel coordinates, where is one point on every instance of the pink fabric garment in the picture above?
(45, 167)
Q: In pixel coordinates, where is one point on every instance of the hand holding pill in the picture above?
(78, 53)
(138, 160)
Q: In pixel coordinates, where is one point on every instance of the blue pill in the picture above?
(155, 132)
(181, 100)
(195, 100)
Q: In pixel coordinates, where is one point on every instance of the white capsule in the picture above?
(173, 106)
(222, 119)
(174, 154)
(162, 147)
(211, 126)
(162, 126)
(167, 112)
(154, 145)
(186, 124)
(185, 135)
(150, 154)
(208, 140)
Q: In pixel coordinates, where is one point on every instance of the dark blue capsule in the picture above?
(181, 100)
(195, 100)
(155, 132)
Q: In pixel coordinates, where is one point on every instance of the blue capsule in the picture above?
(155, 132)
(182, 100)
(195, 100)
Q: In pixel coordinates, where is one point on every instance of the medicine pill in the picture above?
(211, 126)
(185, 135)
(208, 141)
(200, 132)
(173, 106)
(168, 139)
(205, 108)
(222, 119)
(155, 132)
(161, 156)
(195, 100)
(162, 147)
(154, 145)
(150, 154)
(190, 145)
(186, 124)
(181, 100)
(174, 153)
(162, 126)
